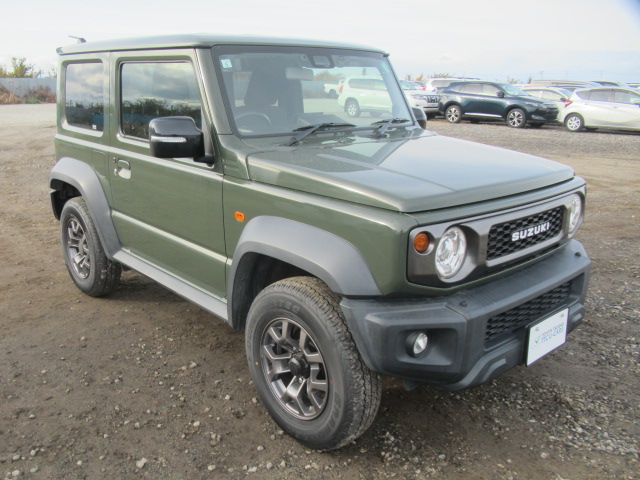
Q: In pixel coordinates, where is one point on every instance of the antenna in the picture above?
(79, 39)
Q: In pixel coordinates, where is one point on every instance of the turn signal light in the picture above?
(240, 216)
(421, 242)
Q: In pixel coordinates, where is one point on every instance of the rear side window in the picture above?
(600, 96)
(162, 89)
(474, 88)
(549, 95)
(84, 95)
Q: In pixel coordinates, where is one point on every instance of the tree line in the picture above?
(20, 68)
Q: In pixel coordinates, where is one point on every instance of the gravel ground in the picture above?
(145, 385)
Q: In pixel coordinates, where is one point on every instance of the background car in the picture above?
(480, 100)
(364, 94)
(419, 98)
(556, 95)
(606, 107)
(437, 84)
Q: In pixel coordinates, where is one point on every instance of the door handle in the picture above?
(123, 169)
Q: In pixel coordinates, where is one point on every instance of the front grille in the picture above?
(433, 98)
(501, 242)
(520, 316)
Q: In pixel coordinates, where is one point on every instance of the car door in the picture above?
(598, 107)
(493, 103)
(473, 99)
(167, 212)
(625, 111)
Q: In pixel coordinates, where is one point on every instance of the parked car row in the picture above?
(576, 106)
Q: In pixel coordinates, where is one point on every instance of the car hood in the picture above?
(406, 175)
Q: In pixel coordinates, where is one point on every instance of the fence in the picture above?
(20, 86)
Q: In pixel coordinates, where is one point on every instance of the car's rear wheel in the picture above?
(453, 114)
(352, 108)
(89, 267)
(574, 122)
(516, 118)
(305, 365)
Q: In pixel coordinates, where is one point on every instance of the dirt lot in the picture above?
(145, 385)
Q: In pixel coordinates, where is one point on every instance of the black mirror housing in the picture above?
(421, 118)
(175, 137)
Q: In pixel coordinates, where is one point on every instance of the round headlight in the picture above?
(450, 253)
(575, 212)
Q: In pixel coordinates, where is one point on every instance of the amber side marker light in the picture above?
(421, 242)
(240, 216)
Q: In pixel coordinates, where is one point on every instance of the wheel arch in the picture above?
(450, 103)
(273, 248)
(71, 178)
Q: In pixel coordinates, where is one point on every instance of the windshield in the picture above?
(276, 90)
(514, 91)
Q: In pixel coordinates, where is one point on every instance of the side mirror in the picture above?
(175, 137)
(500, 94)
(421, 118)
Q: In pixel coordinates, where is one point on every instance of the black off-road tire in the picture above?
(305, 307)
(89, 267)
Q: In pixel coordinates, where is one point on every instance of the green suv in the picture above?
(344, 247)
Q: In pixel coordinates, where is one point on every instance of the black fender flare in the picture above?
(85, 180)
(324, 255)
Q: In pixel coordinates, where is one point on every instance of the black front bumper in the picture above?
(475, 334)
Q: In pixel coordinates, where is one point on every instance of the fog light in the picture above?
(417, 343)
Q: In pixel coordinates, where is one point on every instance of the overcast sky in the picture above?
(491, 39)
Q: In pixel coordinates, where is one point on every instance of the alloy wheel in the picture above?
(294, 369)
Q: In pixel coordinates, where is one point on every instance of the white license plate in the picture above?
(547, 335)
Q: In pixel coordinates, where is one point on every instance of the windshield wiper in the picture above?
(385, 124)
(309, 129)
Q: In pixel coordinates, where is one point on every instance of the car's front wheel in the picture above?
(352, 108)
(89, 267)
(305, 365)
(453, 114)
(516, 118)
(574, 122)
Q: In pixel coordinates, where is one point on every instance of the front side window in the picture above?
(513, 90)
(157, 89)
(84, 95)
(490, 90)
(621, 96)
(273, 90)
